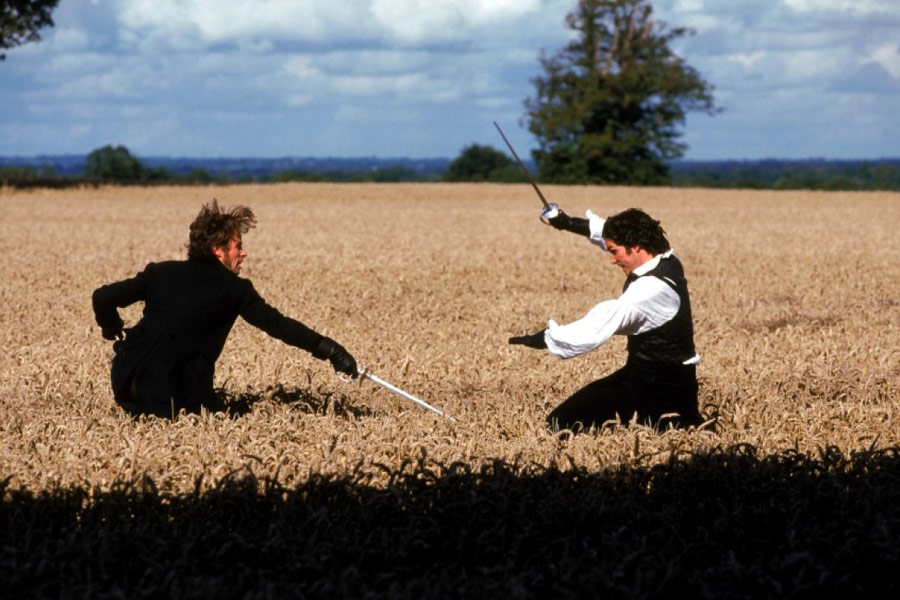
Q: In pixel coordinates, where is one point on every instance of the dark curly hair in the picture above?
(634, 227)
(214, 227)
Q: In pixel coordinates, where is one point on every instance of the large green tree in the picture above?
(611, 103)
(113, 163)
(118, 164)
(20, 21)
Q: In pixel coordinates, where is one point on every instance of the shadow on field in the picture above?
(318, 402)
(724, 524)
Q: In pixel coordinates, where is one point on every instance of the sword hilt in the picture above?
(551, 211)
(361, 373)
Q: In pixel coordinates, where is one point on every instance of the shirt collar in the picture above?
(651, 264)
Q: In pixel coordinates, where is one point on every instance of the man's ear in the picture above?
(218, 252)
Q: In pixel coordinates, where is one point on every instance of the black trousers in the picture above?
(190, 386)
(645, 390)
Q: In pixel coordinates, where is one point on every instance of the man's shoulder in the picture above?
(164, 268)
(669, 272)
(166, 264)
(193, 271)
(668, 265)
(186, 265)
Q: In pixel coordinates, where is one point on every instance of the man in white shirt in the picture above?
(658, 384)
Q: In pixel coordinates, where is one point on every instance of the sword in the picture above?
(551, 209)
(364, 373)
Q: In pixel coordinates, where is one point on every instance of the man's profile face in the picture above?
(628, 259)
(232, 256)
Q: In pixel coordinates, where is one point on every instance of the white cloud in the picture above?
(802, 66)
(225, 21)
(747, 59)
(428, 21)
(865, 7)
(888, 56)
(147, 14)
(372, 85)
(405, 89)
(302, 67)
(325, 21)
(117, 83)
(378, 61)
(688, 5)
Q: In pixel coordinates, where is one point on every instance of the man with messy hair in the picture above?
(658, 384)
(166, 362)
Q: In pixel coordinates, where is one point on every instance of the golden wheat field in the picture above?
(795, 299)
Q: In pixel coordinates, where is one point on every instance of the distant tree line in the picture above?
(392, 174)
(116, 165)
(476, 163)
(790, 175)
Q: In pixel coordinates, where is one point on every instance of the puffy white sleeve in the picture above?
(591, 331)
(596, 224)
(647, 304)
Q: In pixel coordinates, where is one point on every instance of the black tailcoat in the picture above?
(189, 309)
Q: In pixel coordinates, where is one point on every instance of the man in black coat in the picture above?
(658, 383)
(166, 362)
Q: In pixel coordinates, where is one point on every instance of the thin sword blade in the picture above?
(406, 395)
(522, 166)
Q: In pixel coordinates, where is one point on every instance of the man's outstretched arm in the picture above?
(263, 316)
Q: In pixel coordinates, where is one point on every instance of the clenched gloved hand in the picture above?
(564, 222)
(338, 356)
(535, 340)
(111, 333)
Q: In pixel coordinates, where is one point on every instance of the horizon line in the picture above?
(435, 158)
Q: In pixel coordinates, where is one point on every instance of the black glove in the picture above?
(338, 356)
(111, 333)
(535, 340)
(564, 222)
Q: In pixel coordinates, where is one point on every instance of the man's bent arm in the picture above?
(108, 298)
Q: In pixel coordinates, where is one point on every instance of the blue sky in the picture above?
(425, 78)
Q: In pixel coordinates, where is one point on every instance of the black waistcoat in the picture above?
(673, 342)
